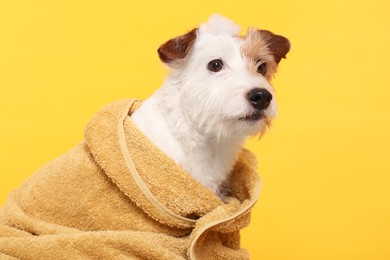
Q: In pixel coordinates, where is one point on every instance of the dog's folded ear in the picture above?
(278, 45)
(177, 48)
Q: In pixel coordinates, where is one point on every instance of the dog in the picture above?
(124, 190)
(217, 94)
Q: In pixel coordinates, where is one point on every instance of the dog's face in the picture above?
(224, 78)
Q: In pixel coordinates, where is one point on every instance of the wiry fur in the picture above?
(196, 116)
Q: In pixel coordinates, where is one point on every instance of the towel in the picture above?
(116, 195)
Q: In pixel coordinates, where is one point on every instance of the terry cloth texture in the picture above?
(116, 195)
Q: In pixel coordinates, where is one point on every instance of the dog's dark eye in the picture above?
(215, 65)
(262, 69)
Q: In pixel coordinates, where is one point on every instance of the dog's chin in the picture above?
(252, 118)
(257, 122)
(242, 125)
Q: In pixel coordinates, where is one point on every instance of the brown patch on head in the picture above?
(177, 48)
(262, 46)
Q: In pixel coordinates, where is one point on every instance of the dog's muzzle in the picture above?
(259, 98)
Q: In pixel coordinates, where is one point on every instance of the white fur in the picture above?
(194, 116)
(219, 25)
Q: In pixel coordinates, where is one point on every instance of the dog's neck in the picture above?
(207, 158)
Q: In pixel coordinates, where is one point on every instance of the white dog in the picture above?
(217, 95)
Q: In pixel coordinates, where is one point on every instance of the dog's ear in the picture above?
(177, 48)
(278, 45)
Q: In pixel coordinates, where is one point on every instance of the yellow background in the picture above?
(325, 164)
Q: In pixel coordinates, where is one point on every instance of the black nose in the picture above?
(260, 98)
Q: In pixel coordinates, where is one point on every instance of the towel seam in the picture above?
(137, 178)
(218, 222)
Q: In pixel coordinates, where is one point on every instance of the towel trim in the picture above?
(136, 176)
(246, 209)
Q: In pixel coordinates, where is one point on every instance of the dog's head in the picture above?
(224, 78)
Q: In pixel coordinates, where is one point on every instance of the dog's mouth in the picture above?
(253, 117)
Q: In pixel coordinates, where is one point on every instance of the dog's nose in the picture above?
(260, 98)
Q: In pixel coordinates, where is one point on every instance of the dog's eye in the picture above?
(262, 69)
(215, 65)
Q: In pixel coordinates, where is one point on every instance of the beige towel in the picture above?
(116, 195)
